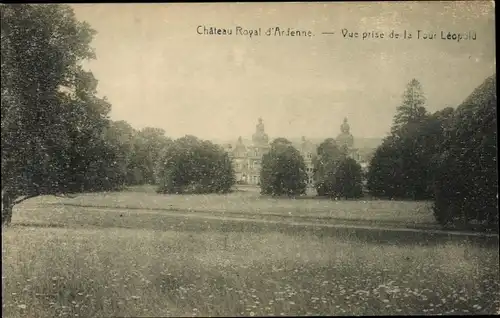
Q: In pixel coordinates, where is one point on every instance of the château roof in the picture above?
(248, 146)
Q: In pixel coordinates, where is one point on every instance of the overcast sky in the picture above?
(157, 71)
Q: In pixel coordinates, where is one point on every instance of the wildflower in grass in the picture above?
(21, 306)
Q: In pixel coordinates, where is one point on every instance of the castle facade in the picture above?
(247, 158)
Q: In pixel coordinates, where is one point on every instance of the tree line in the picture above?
(448, 157)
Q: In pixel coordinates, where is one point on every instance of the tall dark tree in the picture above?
(402, 166)
(148, 146)
(466, 187)
(49, 108)
(384, 176)
(120, 136)
(412, 111)
(327, 159)
(430, 139)
(283, 170)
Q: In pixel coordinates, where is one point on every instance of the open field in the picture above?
(62, 260)
(135, 272)
(250, 204)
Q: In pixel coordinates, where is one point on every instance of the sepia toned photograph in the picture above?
(249, 159)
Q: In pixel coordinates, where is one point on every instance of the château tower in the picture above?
(260, 138)
(345, 138)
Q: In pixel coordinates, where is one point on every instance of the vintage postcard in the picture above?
(249, 159)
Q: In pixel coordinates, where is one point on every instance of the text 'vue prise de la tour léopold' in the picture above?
(405, 34)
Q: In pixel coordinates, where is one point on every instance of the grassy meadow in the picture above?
(61, 260)
(248, 203)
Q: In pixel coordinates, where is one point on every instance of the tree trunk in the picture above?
(7, 205)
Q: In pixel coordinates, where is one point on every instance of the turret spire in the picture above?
(345, 139)
(260, 137)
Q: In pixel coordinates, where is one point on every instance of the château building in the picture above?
(247, 158)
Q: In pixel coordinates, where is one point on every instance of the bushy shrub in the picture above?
(190, 165)
(283, 170)
(348, 180)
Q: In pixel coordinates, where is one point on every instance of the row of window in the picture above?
(251, 179)
(309, 155)
(245, 153)
(252, 165)
(256, 179)
(256, 165)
